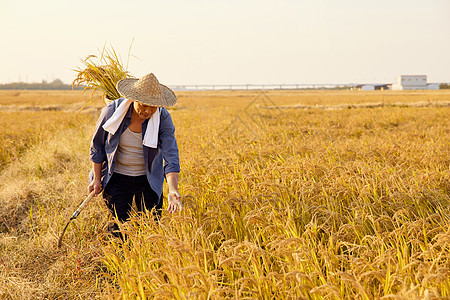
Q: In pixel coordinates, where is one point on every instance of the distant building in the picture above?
(364, 87)
(368, 87)
(410, 82)
(383, 87)
(433, 86)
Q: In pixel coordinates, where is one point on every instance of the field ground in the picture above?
(282, 203)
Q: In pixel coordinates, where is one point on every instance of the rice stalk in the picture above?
(102, 74)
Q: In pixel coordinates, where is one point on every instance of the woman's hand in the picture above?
(174, 199)
(96, 186)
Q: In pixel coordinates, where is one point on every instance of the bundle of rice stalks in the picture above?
(101, 74)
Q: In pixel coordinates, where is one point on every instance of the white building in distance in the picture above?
(411, 82)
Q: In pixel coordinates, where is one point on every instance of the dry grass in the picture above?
(240, 98)
(291, 204)
(45, 98)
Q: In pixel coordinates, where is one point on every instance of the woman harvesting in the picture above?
(132, 137)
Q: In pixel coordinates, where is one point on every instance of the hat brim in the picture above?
(126, 88)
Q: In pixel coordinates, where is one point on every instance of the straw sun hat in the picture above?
(147, 90)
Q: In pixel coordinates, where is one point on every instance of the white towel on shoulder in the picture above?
(151, 134)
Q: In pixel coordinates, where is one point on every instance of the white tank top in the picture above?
(130, 154)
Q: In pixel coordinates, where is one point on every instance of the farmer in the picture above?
(132, 137)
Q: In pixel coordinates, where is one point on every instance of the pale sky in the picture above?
(230, 42)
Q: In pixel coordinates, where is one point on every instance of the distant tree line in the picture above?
(56, 84)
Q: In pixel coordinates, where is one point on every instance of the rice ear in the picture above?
(101, 74)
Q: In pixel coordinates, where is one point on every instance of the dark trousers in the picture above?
(120, 191)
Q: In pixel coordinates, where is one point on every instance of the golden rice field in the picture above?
(281, 203)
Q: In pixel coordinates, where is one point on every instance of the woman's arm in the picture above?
(168, 143)
(97, 150)
(169, 149)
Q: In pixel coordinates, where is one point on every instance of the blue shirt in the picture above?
(104, 146)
